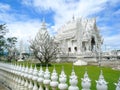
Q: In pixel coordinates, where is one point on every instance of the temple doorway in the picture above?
(92, 43)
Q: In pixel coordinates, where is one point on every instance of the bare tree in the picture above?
(43, 46)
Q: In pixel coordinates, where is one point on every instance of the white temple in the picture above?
(79, 38)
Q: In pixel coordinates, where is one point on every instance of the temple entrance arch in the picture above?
(92, 43)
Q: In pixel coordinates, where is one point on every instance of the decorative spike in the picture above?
(73, 68)
(31, 65)
(35, 67)
(73, 72)
(101, 75)
(54, 66)
(62, 68)
(40, 67)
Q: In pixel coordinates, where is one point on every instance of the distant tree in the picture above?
(10, 46)
(43, 46)
(3, 31)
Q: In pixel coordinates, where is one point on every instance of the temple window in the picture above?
(69, 49)
(75, 48)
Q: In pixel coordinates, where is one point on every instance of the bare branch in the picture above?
(43, 46)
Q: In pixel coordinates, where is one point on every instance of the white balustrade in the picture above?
(19, 77)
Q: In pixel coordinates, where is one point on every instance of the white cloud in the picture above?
(4, 7)
(111, 36)
(63, 11)
(19, 25)
(117, 13)
(112, 41)
(113, 2)
(24, 30)
(5, 17)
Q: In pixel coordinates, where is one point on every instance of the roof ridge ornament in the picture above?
(43, 24)
(73, 17)
(43, 20)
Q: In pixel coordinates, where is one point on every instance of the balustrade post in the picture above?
(86, 82)
(73, 81)
(54, 78)
(13, 83)
(26, 78)
(17, 76)
(34, 78)
(46, 80)
(40, 78)
(118, 85)
(62, 79)
(14, 77)
(101, 83)
(30, 87)
(22, 78)
(19, 83)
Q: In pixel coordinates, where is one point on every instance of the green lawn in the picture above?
(111, 76)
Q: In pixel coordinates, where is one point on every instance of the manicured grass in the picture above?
(111, 76)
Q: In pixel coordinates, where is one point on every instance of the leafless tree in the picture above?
(43, 46)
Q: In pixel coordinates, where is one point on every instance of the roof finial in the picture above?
(73, 17)
(43, 19)
(43, 26)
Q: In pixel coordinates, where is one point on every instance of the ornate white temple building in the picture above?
(79, 37)
(79, 41)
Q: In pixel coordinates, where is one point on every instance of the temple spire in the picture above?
(43, 25)
(73, 17)
(43, 20)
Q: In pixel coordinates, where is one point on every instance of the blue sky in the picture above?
(23, 17)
